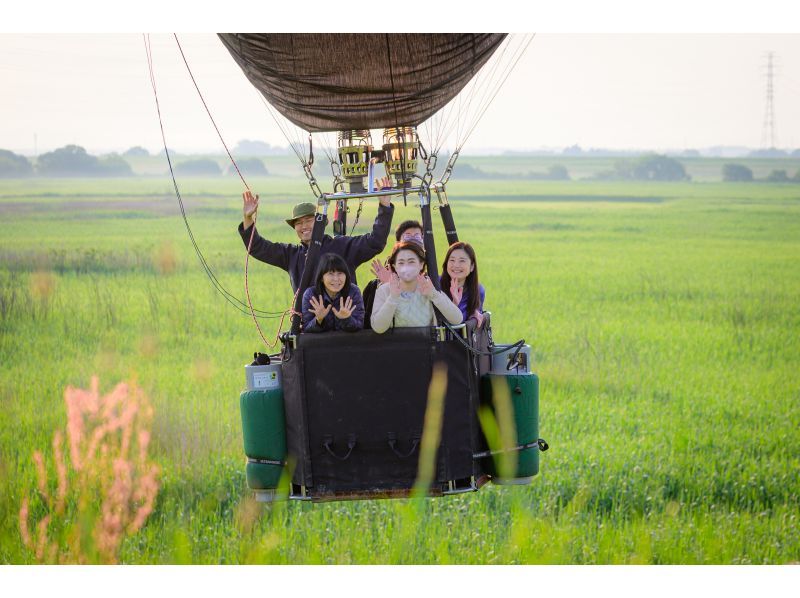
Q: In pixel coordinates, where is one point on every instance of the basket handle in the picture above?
(327, 442)
(392, 440)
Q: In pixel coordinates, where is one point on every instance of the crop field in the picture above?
(663, 320)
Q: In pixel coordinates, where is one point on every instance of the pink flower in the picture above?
(102, 434)
(23, 523)
(41, 473)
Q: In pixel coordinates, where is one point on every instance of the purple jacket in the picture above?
(465, 300)
(331, 322)
(354, 250)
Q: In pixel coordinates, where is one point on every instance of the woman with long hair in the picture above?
(408, 298)
(460, 280)
(333, 303)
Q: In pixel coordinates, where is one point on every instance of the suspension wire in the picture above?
(229, 297)
(202, 99)
(463, 113)
(507, 73)
(435, 125)
(285, 125)
(453, 117)
(483, 81)
(298, 146)
(454, 111)
(270, 345)
(327, 147)
(358, 215)
(483, 85)
(294, 145)
(306, 164)
(324, 139)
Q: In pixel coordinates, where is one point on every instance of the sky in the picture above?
(620, 90)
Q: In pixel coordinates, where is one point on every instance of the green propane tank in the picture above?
(523, 391)
(263, 429)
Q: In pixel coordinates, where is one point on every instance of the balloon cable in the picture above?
(233, 300)
(202, 99)
(271, 345)
(215, 282)
(253, 226)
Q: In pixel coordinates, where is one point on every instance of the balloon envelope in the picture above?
(339, 81)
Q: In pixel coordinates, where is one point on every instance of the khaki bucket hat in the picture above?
(301, 210)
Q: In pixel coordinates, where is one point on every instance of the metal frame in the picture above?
(326, 197)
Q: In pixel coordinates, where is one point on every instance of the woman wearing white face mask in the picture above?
(408, 298)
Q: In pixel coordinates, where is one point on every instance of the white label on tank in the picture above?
(265, 380)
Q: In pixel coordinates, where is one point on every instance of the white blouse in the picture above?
(411, 308)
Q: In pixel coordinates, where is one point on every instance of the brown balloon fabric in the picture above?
(334, 82)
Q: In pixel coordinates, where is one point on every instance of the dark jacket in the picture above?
(354, 250)
(331, 322)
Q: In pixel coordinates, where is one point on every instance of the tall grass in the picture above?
(663, 321)
(101, 487)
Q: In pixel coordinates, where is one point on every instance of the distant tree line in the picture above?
(249, 147)
(716, 151)
(14, 165)
(649, 167)
(75, 161)
(557, 172)
(210, 167)
(774, 153)
(70, 160)
(136, 152)
(741, 173)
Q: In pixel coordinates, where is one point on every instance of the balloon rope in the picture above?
(293, 144)
(253, 226)
(271, 345)
(459, 117)
(504, 76)
(464, 114)
(227, 295)
(202, 99)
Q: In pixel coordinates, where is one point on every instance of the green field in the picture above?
(663, 320)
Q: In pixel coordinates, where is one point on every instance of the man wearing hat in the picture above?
(292, 258)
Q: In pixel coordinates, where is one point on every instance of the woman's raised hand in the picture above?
(345, 308)
(456, 292)
(380, 271)
(425, 285)
(318, 308)
(394, 285)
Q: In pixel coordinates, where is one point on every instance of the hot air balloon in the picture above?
(343, 415)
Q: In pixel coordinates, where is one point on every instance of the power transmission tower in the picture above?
(768, 128)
